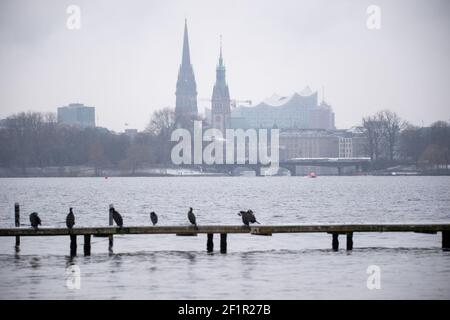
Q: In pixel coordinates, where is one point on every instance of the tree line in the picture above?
(390, 140)
(34, 139)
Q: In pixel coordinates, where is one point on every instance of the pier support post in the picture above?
(223, 243)
(335, 243)
(446, 240)
(349, 240)
(87, 244)
(73, 245)
(111, 237)
(17, 222)
(210, 243)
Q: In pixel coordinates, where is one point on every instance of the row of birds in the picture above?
(247, 218)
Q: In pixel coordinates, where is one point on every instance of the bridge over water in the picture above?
(339, 163)
(291, 164)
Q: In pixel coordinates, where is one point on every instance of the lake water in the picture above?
(288, 266)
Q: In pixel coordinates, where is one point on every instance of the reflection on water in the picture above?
(35, 262)
(70, 261)
(115, 263)
(283, 266)
(290, 274)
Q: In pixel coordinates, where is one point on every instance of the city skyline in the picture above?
(111, 62)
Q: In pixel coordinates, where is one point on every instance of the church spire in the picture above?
(220, 108)
(186, 93)
(220, 70)
(186, 60)
(220, 58)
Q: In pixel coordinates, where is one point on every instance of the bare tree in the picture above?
(440, 135)
(97, 157)
(435, 155)
(161, 121)
(160, 129)
(411, 143)
(392, 124)
(373, 130)
(137, 155)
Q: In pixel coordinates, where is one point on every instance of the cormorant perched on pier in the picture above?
(35, 220)
(244, 216)
(252, 217)
(153, 217)
(70, 219)
(248, 217)
(191, 217)
(117, 218)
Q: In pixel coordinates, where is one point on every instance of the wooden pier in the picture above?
(264, 230)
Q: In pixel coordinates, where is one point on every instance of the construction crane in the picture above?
(233, 102)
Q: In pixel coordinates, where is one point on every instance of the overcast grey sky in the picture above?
(124, 60)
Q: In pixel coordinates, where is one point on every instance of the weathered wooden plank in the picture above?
(257, 231)
(106, 231)
(345, 228)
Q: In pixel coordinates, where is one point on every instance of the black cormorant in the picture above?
(153, 217)
(191, 217)
(248, 217)
(244, 216)
(70, 219)
(35, 220)
(117, 218)
(252, 217)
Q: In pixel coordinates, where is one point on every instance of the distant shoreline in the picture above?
(169, 172)
(219, 175)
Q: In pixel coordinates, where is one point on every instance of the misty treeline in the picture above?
(389, 139)
(36, 140)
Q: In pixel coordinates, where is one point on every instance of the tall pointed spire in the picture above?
(186, 94)
(220, 58)
(220, 108)
(220, 70)
(186, 60)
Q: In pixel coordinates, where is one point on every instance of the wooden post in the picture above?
(17, 222)
(349, 240)
(335, 243)
(210, 243)
(87, 244)
(111, 238)
(223, 243)
(446, 240)
(73, 245)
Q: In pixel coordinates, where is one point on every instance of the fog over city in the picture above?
(125, 58)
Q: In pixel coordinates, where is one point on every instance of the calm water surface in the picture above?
(296, 266)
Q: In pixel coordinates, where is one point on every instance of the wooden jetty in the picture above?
(265, 230)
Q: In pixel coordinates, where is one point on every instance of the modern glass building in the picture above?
(297, 111)
(77, 114)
